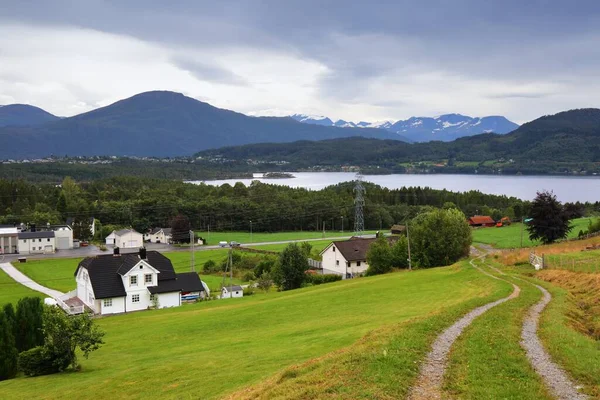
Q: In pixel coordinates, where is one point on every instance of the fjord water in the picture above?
(566, 188)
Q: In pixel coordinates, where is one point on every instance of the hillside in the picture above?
(160, 124)
(444, 128)
(565, 142)
(24, 115)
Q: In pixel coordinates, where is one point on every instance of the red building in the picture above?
(482, 220)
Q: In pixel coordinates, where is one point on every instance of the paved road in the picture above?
(26, 281)
(94, 251)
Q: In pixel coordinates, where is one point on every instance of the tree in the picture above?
(399, 253)
(379, 257)
(264, 282)
(180, 229)
(29, 323)
(82, 229)
(439, 237)
(8, 351)
(289, 273)
(549, 220)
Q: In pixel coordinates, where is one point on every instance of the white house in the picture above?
(43, 242)
(9, 239)
(64, 237)
(347, 258)
(233, 291)
(125, 239)
(118, 283)
(159, 235)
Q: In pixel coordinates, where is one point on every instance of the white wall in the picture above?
(140, 270)
(159, 237)
(129, 240)
(65, 233)
(85, 291)
(32, 246)
(236, 293)
(118, 306)
(171, 299)
(333, 261)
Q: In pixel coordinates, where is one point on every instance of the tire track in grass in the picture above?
(431, 376)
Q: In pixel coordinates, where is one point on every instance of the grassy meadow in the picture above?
(261, 237)
(11, 291)
(210, 349)
(509, 237)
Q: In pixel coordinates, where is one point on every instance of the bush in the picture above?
(37, 361)
(325, 278)
(8, 351)
(248, 276)
(29, 324)
(249, 291)
(102, 247)
(210, 267)
(265, 266)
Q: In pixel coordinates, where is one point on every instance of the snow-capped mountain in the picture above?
(446, 127)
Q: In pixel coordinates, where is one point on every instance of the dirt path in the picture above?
(431, 376)
(554, 377)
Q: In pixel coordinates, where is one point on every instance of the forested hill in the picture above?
(24, 115)
(565, 142)
(160, 123)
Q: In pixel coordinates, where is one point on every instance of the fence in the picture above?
(315, 264)
(572, 263)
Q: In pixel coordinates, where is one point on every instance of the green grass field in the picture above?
(509, 237)
(210, 349)
(261, 237)
(11, 291)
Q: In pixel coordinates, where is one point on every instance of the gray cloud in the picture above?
(207, 72)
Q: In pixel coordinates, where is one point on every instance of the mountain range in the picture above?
(24, 115)
(445, 128)
(157, 123)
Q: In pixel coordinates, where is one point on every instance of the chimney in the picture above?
(116, 252)
(142, 253)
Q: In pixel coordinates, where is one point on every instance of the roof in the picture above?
(126, 231)
(233, 288)
(36, 235)
(105, 271)
(166, 231)
(481, 219)
(396, 227)
(184, 282)
(356, 248)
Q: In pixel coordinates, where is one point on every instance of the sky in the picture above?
(354, 60)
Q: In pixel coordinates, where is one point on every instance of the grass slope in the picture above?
(509, 237)
(11, 291)
(261, 237)
(208, 350)
(487, 361)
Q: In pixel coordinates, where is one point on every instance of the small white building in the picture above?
(233, 291)
(118, 283)
(64, 237)
(348, 257)
(125, 239)
(9, 239)
(159, 235)
(40, 242)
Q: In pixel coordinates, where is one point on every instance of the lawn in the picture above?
(509, 237)
(11, 291)
(208, 350)
(261, 237)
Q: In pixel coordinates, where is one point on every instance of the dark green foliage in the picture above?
(8, 351)
(248, 276)
(264, 266)
(318, 279)
(264, 282)
(439, 237)
(29, 323)
(399, 253)
(379, 257)
(38, 361)
(210, 267)
(11, 317)
(180, 229)
(594, 227)
(290, 271)
(550, 221)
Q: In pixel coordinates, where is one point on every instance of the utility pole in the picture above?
(522, 231)
(408, 241)
(342, 224)
(208, 237)
(230, 270)
(250, 231)
(323, 228)
(192, 250)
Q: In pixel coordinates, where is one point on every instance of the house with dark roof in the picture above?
(125, 239)
(37, 242)
(348, 257)
(481, 220)
(118, 283)
(159, 235)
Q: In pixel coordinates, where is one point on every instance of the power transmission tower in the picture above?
(359, 202)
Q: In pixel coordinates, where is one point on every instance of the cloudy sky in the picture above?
(355, 60)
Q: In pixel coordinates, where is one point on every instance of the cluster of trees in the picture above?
(41, 340)
(437, 238)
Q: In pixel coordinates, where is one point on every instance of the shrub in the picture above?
(8, 350)
(325, 278)
(29, 322)
(37, 361)
(248, 276)
(249, 291)
(102, 247)
(265, 265)
(264, 282)
(210, 267)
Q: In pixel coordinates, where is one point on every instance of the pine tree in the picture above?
(8, 352)
(549, 220)
(29, 323)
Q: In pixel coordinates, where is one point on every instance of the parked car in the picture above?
(235, 244)
(223, 244)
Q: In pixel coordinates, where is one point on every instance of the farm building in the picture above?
(233, 291)
(37, 242)
(117, 283)
(125, 239)
(398, 229)
(481, 220)
(9, 239)
(349, 257)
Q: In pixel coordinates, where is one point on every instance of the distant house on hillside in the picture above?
(125, 239)
(117, 283)
(481, 220)
(159, 235)
(349, 257)
(232, 291)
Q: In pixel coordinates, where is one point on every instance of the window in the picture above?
(24, 240)
(133, 280)
(337, 262)
(107, 302)
(135, 298)
(148, 278)
(358, 263)
(90, 298)
(47, 240)
(152, 297)
(40, 240)
(39, 248)
(333, 248)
